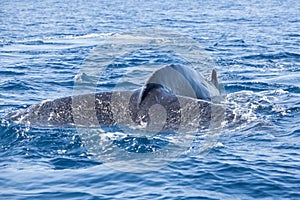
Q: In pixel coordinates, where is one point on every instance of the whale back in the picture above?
(183, 81)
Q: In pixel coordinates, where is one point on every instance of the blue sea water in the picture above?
(255, 48)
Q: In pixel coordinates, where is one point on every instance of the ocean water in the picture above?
(253, 45)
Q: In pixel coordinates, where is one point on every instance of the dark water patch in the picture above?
(293, 35)
(252, 86)
(42, 42)
(61, 66)
(72, 163)
(11, 73)
(54, 195)
(293, 146)
(28, 52)
(257, 86)
(19, 66)
(15, 85)
(275, 56)
(69, 83)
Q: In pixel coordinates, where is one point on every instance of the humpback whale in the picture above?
(174, 98)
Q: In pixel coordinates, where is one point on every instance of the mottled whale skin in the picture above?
(155, 106)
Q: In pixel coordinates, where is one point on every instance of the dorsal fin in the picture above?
(214, 78)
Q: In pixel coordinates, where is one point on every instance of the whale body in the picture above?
(160, 105)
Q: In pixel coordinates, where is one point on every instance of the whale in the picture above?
(174, 98)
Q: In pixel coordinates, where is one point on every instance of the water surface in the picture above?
(255, 46)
